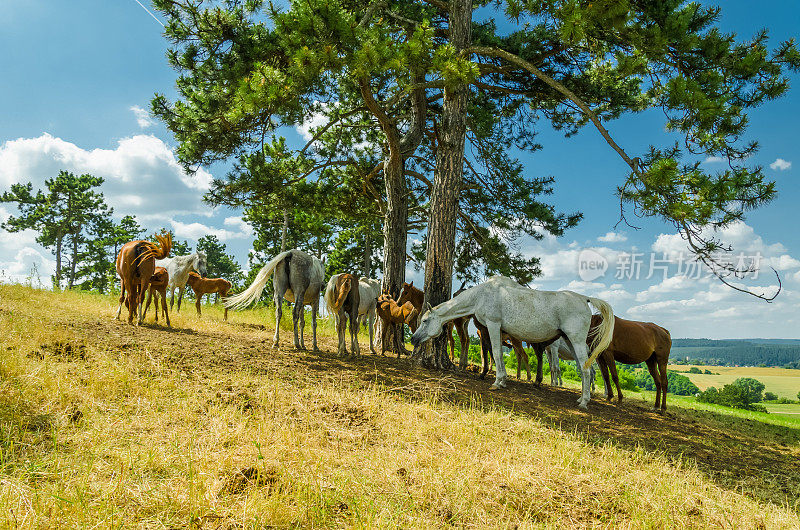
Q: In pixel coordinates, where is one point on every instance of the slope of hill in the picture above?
(206, 426)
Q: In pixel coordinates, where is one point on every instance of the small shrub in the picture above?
(769, 396)
(695, 370)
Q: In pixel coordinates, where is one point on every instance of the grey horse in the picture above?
(179, 268)
(298, 278)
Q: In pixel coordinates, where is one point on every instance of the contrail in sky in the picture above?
(150, 12)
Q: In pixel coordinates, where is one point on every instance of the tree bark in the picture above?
(446, 190)
(73, 264)
(59, 240)
(395, 233)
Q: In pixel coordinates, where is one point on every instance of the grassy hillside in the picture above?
(205, 425)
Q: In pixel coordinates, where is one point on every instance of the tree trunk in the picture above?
(367, 254)
(74, 262)
(395, 228)
(284, 228)
(59, 240)
(447, 187)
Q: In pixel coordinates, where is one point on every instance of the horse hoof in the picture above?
(494, 387)
(583, 406)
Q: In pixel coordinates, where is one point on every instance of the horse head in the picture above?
(201, 263)
(430, 326)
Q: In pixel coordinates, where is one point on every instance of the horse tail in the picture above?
(602, 333)
(329, 293)
(344, 290)
(251, 294)
(147, 250)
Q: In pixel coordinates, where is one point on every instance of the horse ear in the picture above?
(411, 284)
(428, 306)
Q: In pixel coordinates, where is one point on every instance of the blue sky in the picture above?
(73, 73)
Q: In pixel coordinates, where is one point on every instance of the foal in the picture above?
(158, 285)
(390, 312)
(202, 286)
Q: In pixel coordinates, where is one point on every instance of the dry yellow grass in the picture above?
(106, 425)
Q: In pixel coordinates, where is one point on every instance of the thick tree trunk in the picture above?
(395, 228)
(447, 187)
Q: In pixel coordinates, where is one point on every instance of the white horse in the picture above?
(560, 350)
(178, 269)
(503, 305)
(298, 278)
(369, 290)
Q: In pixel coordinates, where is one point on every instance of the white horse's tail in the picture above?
(329, 291)
(251, 294)
(602, 333)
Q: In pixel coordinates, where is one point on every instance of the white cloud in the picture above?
(143, 117)
(714, 160)
(613, 237)
(780, 165)
(197, 230)
(142, 175)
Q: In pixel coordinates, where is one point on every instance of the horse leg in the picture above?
(121, 301)
(164, 307)
(147, 305)
(180, 296)
(662, 368)
(606, 378)
(486, 350)
(198, 299)
(371, 324)
(463, 339)
(341, 323)
(142, 290)
(172, 297)
(579, 353)
(278, 314)
(450, 340)
(608, 358)
(353, 317)
(555, 369)
(539, 365)
(314, 311)
(496, 338)
(299, 319)
(651, 366)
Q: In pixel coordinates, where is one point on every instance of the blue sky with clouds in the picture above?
(75, 76)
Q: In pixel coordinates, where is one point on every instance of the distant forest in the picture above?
(783, 353)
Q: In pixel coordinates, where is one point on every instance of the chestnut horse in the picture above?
(633, 343)
(417, 297)
(203, 286)
(390, 312)
(136, 263)
(158, 285)
(344, 303)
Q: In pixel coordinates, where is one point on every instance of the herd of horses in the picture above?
(560, 324)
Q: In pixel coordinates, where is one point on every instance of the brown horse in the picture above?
(390, 312)
(417, 297)
(158, 285)
(633, 343)
(344, 303)
(136, 263)
(203, 286)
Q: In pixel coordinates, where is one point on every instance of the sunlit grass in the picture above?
(114, 431)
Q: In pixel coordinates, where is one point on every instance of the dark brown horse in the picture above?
(633, 343)
(136, 263)
(158, 286)
(203, 286)
(345, 301)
